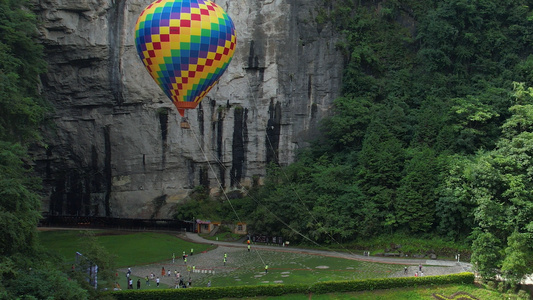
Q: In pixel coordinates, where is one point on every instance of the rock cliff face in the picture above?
(115, 146)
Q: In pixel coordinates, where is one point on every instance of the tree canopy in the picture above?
(432, 133)
(26, 272)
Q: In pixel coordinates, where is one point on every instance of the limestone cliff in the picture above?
(115, 146)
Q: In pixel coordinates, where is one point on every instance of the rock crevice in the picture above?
(117, 147)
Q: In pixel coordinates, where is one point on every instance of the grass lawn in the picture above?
(130, 248)
(289, 268)
(142, 248)
(222, 236)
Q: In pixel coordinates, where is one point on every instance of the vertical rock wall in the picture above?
(115, 146)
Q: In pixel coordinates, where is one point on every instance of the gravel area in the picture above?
(205, 264)
(212, 262)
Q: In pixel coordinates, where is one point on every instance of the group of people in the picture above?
(129, 281)
(179, 280)
(417, 273)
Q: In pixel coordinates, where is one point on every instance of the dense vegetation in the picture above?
(26, 271)
(433, 134)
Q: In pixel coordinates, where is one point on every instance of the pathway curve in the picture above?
(210, 262)
(379, 259)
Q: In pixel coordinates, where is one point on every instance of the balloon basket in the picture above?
(185, 124)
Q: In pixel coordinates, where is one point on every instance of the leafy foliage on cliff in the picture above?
(23, 270)
(431, 136)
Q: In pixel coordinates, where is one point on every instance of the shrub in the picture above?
(503, 286)
(492, 284)
(387, 283)
(282, 289)
(523, 295)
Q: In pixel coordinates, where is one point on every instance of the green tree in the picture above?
(518, 259)
(335, 215)
(501, 188)
(472, 123)
(21, 62)
(94, 254)
(380, 170)
(25, 271)
(425, 100)
(486, 254)
(41, 280)
(455, 205)
(346, 128)
(280, 209)
(19, 202)
(415, 203)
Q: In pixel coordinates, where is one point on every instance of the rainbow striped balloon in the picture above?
(186, 45)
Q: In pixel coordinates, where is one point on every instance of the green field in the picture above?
(129, 248)
(289, 268)
(144, 248)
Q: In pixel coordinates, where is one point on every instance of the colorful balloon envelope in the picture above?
(186, 45)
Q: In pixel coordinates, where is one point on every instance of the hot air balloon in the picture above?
(186, 45)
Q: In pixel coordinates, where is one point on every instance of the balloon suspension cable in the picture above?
(257, 201)
(221, 187)
(294, 190)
